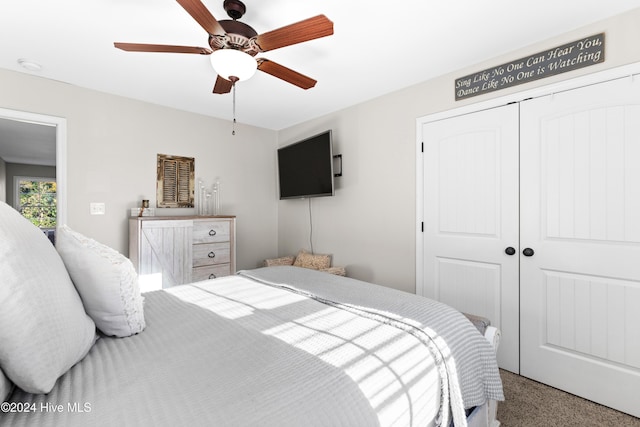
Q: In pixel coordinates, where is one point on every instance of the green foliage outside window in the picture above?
(38, 202)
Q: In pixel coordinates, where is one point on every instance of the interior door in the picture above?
(580, 216)
(471, 219)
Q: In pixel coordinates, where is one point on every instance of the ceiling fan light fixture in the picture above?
(229, 63)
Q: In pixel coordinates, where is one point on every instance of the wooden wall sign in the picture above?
(571, 56)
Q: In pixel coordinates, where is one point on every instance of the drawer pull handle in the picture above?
(212, 276)
(211, 254)
(212, 232)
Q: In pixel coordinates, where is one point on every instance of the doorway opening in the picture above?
(17, 124)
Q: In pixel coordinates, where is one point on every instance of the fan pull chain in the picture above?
(233, 132)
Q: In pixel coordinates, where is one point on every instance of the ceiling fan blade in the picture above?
(309, 29)
(141, 47)
(200, 13)
(286, 74)
(222, 85)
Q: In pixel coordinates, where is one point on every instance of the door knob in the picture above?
(528, 252)
(510, 251)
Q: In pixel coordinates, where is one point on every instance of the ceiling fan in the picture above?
(239, 41)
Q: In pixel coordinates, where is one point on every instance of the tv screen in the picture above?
(305, 168)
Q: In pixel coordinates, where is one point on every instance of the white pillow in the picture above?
(107, 283)
(44, 329)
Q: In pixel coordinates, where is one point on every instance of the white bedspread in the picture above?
(465, 359)
(234, 352)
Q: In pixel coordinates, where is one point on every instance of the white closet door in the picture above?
(580, 214)
(471, 217)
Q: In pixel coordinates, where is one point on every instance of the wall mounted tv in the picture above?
(305, 168)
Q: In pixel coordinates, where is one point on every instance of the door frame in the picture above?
(61, 152)
(631, 70)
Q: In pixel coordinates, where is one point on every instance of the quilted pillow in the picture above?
(44, 329)
(313, 261)
(107, 283)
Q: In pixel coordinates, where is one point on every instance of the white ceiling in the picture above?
(377, 47)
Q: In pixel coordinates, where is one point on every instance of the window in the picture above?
(36, 200)
(175, 186)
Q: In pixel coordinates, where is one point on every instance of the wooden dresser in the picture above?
(170, 251)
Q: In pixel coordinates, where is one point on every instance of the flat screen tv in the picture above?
(305, 168)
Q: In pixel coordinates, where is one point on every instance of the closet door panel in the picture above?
(580, 192)
(471, 217)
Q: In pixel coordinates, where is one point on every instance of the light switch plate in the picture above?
(96, 208)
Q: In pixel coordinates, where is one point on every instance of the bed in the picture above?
(274, 346)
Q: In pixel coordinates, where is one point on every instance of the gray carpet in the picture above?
(529, 403)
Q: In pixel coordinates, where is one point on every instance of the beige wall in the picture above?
(112, 143)
(370, 225)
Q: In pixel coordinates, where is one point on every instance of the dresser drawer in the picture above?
(210, 272)
(211, 231)
(211, 253)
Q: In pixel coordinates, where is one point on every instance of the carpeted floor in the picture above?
(529, 403)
